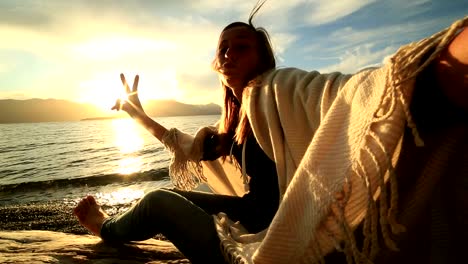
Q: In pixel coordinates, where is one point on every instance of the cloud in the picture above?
(90, 21)
(32, 14)
(362, 57)
(322, 12)
(85, 45)
(342, 48)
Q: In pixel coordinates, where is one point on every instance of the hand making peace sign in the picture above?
(131, 104)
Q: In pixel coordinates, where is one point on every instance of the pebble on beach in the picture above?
(46, 216)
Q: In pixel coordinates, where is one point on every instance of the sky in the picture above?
(75, 50)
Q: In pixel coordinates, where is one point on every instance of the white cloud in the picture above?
(281, 42)
(362, 57)
(322, 12)
(215, 6)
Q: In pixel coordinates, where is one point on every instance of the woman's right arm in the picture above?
(206, 145)
(156, 129)
(133, 107)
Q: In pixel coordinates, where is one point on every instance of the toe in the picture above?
(83, 203)
(91, 200)
(86, 201)
(77, 210)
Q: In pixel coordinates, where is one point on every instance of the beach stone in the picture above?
(37, 246)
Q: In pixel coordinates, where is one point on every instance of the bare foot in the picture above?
(90, 214)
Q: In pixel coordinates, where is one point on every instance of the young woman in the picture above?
(320, 144)
(185, 217)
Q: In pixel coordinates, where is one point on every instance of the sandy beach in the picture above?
(50, 233)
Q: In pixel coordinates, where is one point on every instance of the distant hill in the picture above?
(174, 108)
(44, 110)
(53, 110)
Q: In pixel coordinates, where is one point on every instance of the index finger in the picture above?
(125, 84)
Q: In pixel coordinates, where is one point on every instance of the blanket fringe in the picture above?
(229, 247)
(185, 173)
(370, 245)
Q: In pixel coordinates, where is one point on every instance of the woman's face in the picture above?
(237, 58)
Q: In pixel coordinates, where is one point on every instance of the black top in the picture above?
(261, 169)
(257, 207)
(263, 195)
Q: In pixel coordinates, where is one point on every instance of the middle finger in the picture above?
(135, 83)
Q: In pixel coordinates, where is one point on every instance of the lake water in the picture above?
(116, 160)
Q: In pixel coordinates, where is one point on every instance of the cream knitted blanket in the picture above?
(335, 140)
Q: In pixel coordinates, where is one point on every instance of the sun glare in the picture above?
(104, 88)
(102, 91)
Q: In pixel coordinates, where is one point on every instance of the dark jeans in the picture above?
(185, 218)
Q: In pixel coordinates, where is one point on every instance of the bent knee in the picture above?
(160, 198)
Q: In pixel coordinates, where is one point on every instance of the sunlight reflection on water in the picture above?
(119, 196)
(130, 165)
(129, 141)
(127, 136)
(116, 198)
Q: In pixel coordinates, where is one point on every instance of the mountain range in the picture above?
(54, 110)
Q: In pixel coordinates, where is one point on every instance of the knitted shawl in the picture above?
(335, 140)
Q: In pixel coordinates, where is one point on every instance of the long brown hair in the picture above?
(233, 122)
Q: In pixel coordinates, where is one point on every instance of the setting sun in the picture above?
(102, 91)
